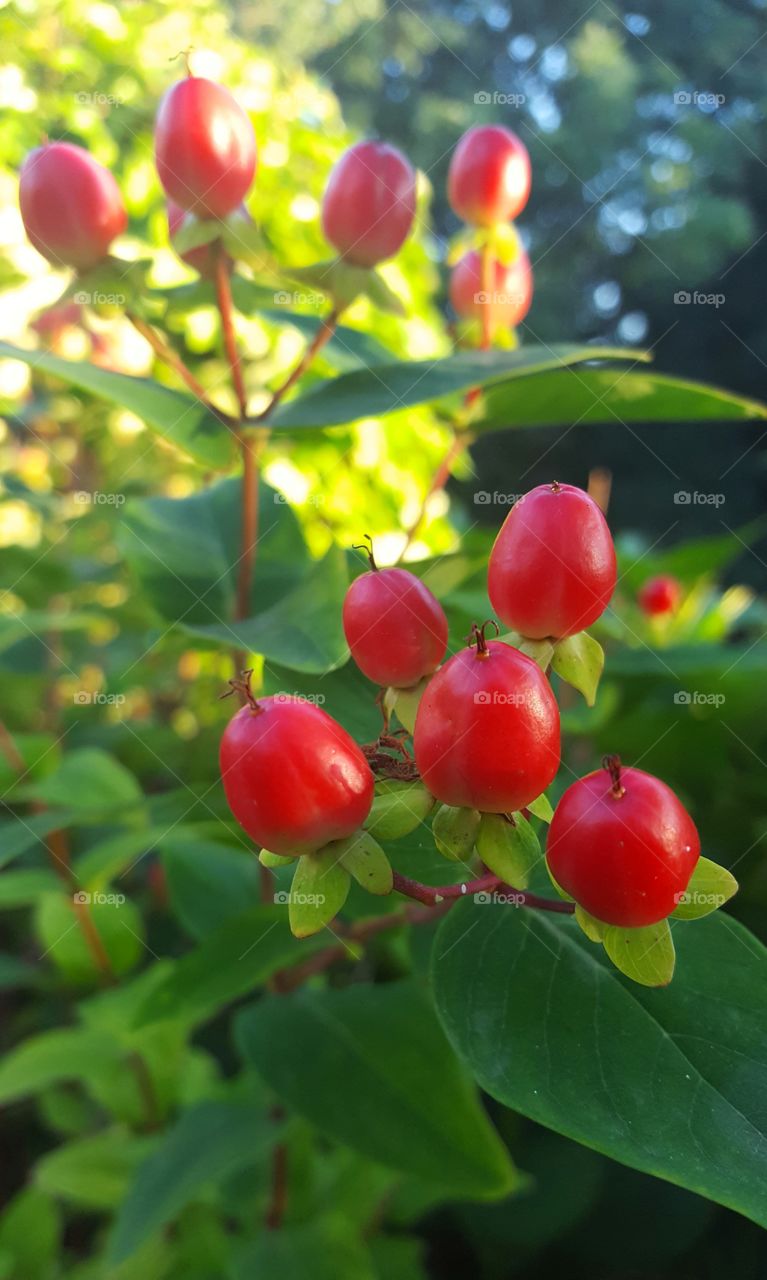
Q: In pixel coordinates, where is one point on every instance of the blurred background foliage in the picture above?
(637, 197)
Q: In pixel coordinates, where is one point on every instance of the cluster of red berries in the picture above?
(486, 738)
(206, 156)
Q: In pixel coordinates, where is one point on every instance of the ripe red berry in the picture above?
(552, 569)
(659, 595)
(509, 295)
(396, 629)
(623, 846)
(294, 778)
(369, 203)
(71, 206)
(489, 176)
(487, 730)
(204, 146)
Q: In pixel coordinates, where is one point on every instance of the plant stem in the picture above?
(152, 1117)
(321, 337)
(279, 1197)
(488, 883)
(486, 269)
(168, 356)
(226, 310)
(460, 441)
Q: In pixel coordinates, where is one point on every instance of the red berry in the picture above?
(293, 777)
(487, 730)
(369, 203)
(489, 176)
(552, 569)
(660, 595)
(71, 206)
(204, 147)
(394, 626)
(622, 846)
(508, 297)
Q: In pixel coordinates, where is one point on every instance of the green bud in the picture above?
(455, 832)
(398, 808)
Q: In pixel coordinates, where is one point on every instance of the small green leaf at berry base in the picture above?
(404, 703)
(455, 832)
(645, 955)
(593, 929)
(508, 847)
(504, 242)
(709, 888)
(382, 296)
(365, 860)
(398, 808)
(541, 808)
(245, 242)
(318, 892)
(268, 859)
(580, 660)
(196, 232)
(558, 888)
(541, 651)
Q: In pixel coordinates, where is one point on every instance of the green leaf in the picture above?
(580, 660)
(22, 888)
(209, 1142)
(541, 808)
(375, 392)
(672, 1081)
(318, 892)
(611, 396)
(709, 888)
(95, 1171)
(208, 882)
(510, 849)
(645, 955)
(232, 960)
(89, 781)
(405, 702)
(380, 1078)
(274, 860)
(398, 808)
(107, 859)
(55, 1056)
(30, 1230)
(455, 832)
(365, 860)
(594, 929)
(17, 835)
(541, 651)
(382, 297)
(325, 1250)
(174, 416)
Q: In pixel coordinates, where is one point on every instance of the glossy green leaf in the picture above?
(208, 882)
(645, 955)
(22, 888)
(611, 395)
(402, 1100)
(94, 1171)
(510, 849)
(541, 808)
(375, 392)
(231, 961)
(398, 808)
(669, 1081)
(209, 1142)
(71, 1053)
(89, 781)
(30, 1230)
(175, 416)
(710, 887)
(455, 832)
(327, 1249)
(580, 660)
(318, 891)
(17, 835)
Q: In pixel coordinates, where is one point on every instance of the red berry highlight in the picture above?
(508, 298)
(205, 148)
(552, 570)
(487, 730)
(660, 595)
(623, 846)
(71, 205)
(396, 629)
(294, 778)
(489, 176)
(369, 203)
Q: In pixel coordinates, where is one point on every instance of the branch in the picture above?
(321, 337)
(488, 883)
(168, 356)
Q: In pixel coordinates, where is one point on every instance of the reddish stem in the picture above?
(486, 268)
(321, 337)
(488, 883)
(168, 356)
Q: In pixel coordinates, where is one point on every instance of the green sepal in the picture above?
(245, 242)
(541, 651)
(580, 660)
(382, 296)
(541, 808)
(594, 929)
(645, 955)
(268, 859)
(455, 832)
(398, 808)
(110, 287)
(318, 892)
(340, 280)
(709, 888)
(404, 703)
(365, 860)
(558, 888)
(196, 232)
(505, 242)
(508, 847)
